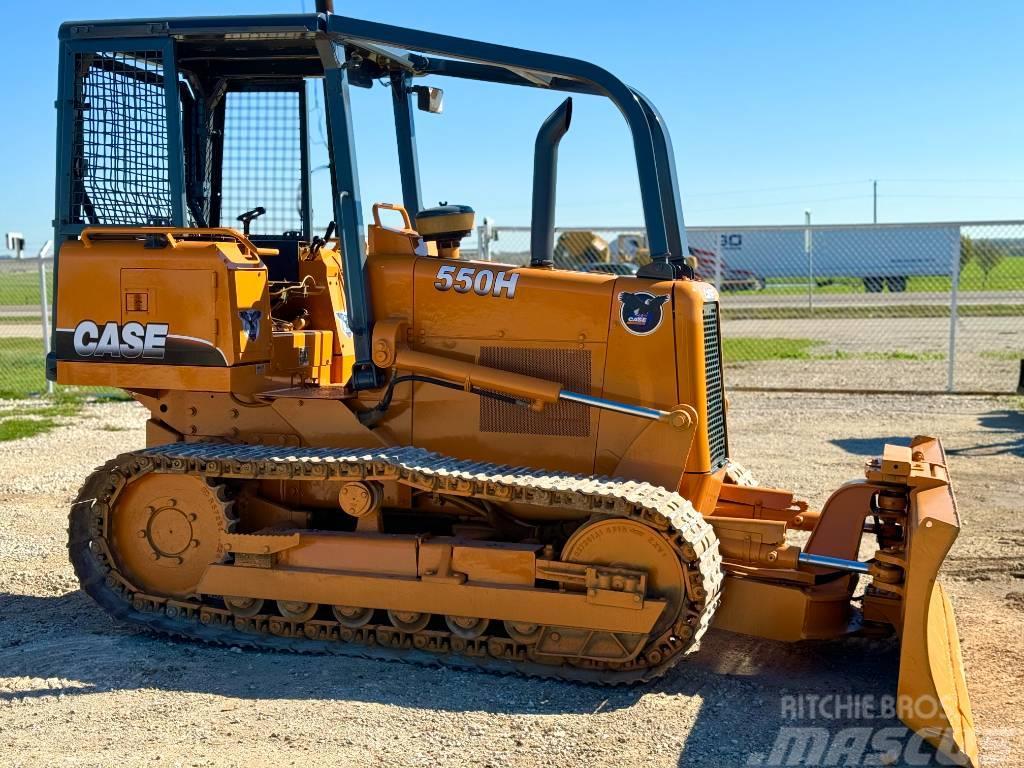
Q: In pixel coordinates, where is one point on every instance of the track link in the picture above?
(206, 619)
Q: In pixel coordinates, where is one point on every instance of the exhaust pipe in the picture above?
(325, 6)
(545, 173)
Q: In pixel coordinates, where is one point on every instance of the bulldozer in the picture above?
(577, 248)
(360, 443)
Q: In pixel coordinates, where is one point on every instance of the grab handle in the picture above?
(391, 207)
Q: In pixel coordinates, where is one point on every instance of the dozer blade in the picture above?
(932, 690)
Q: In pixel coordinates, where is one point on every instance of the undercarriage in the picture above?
(617, 591)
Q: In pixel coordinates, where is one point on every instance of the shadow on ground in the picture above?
(1008, 428)
(64, 645)
(868, 447)
(1002, 434)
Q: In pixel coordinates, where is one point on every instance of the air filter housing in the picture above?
(446, 225)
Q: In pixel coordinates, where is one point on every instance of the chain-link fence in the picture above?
(22, 345)
(869, 307)
(880, 307)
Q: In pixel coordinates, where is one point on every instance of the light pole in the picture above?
(874, 201)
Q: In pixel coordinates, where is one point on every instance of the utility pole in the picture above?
(874, 197)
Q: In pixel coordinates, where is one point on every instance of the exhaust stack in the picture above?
(545, 176)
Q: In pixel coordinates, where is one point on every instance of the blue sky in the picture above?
(774, 107)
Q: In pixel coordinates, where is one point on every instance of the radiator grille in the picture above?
(717, 439)
(569, 367)
(120, 172)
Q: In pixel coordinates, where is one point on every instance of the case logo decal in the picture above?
(251, 322)
(134, 342)
(640, 313)
(113, 340)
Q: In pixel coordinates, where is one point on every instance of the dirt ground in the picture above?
(77, 689)
(906, 354)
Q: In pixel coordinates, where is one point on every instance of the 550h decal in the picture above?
(482, 282)
(134, 342)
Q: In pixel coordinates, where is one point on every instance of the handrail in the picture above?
(173, 235)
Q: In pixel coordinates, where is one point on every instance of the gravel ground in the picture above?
(974, 373)
(989, 350)
(887, 335)
(30, 330)
(77, 689)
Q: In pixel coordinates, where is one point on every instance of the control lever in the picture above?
(319, 242)
(249, 216)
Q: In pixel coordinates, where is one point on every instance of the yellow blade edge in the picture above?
(932, 689)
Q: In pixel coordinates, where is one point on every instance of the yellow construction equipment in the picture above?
(578, 248)
(367, 445)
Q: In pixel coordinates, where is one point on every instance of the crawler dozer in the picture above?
(361, 443)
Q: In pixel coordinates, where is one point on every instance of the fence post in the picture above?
(718, 270)
(809, 250)
(43, 310)
(954, 291)
(483, 239)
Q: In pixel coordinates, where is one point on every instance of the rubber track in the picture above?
(666, 511)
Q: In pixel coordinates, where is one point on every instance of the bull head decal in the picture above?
(251, 322)
(640, 313)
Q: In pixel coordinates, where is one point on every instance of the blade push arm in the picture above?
(389, 351)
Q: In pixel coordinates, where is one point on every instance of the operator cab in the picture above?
(233, 115)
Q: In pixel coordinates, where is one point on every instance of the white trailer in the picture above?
(879, 255)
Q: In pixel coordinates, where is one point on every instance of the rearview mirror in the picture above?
(429, 99)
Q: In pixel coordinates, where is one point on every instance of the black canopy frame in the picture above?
(218, 54)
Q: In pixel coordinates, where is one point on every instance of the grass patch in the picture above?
(895, 354)
(856, 313)
(21, 320)
(890, 354)
(1003, 354)
(22, 288)
(1007, 276)
(22, 367)
(741, 349)
(17, 428)
(23, 374)
(35, 419)
(62, 406)
(797, 286)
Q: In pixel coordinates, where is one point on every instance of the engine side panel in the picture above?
(129, 313)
